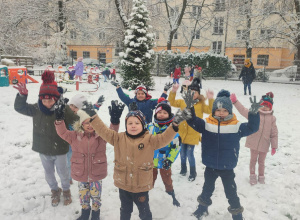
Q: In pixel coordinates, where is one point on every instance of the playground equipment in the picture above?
(4, 81)
(19, 74)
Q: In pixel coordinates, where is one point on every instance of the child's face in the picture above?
(134, 126)
(140, 95)
(74, 108)
(265, 108)
(221, 112)
(162, 115)
(48, 103)
(87, 127)
(196, 94)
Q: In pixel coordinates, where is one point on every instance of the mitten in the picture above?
(255, 106)
(175, 87)
(183, 115)
(99, 102)
(115, 111)
(167, 164)
(233, 98)
(115, 83)
(59, 108)
(168, 86)
(133, 106)
(21, 87)
(210, 94)
(89, 108)
(188, 99)
(273, 151)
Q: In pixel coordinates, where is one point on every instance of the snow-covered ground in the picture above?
(25, 194)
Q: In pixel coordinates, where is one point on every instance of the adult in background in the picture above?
(247, 75)
(79, 69)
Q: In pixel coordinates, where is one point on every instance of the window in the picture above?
(102, 36)
(238, 61)
(196, 35)
(175, 36)
(85, 35)
(217, 46)
(241, 34)
(265, 33)
(218, 27)
(263, 60)
(101, 14)
(73, 54)
(244, 7)
(174, 11)
(102, 57)
(196, 11)
(86, 54)
(73, 35)
(220, 5)
(119, 48)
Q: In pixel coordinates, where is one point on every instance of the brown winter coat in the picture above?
(267, 133)
(133, 169)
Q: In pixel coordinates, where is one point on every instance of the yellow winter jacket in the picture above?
(188, 134)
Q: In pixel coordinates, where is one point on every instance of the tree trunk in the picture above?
(248, 5)
(297, 8)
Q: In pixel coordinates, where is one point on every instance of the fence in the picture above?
(26, 61)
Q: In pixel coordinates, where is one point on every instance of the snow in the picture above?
(25, 194)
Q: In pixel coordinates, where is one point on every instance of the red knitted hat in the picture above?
(48, 89)
(145, 90)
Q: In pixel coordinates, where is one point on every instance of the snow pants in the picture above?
(166, 178)
(90, 190)
(261, 156)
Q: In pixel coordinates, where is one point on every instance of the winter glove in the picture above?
(233, 98)
(115, 111)
(115, 83)
(273, 151)
(167, 164)
(210, 94)
(21, 87)
(59, 108)
(133, 106)
(175, 87)
(183, 115)
(100, 101)
(168, 86)
(188, 99)
(89, 108)
(255, 106)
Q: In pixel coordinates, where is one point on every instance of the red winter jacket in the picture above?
(177, 73)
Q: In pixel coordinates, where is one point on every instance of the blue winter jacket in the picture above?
(145, 106)
(221, 140)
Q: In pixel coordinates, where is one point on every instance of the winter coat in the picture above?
(187, 134)
(113, 71)
(169, 152)
(45, 139)
(221, 140)
(79, 68)
(88, 161)
(106, 72)
(248, 74)
(145, 106)
(177, 73)
(267, 133)
(187, 71)
(133, 169)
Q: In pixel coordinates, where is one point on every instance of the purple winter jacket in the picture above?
(88, 161)
(79, 68)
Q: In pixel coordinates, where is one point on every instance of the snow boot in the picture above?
(67, 197)
(236, 213)
(175, 201)
(261, 179)
(237, 217)
(253, 179)
(55, 197)
(183, 170)
(193, 174)
(95, 215)
(85, 214)
(201, 211)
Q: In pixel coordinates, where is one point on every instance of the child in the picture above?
(221, 133)
(79, 69)
(51, 148)
(89, 163)
(176, 74)
(164, 157)
(189, 137)
(260, 141)
(134, 151)
(113, 73)
(142, 99)
(187, 72)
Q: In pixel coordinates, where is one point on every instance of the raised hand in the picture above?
(115, 83)
(115, 111)
(166, 164)
(99, 102)
(233, 98)
(133, 106)
(175, 87)
(59, 108)
(89, 108)
(210, 94)
(188, 98)
(21, 87)
(168, 86)
(183, 115)
(255, 106)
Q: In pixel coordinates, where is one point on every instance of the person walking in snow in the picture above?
(221, 134)
(247, 75)
(176, 74)
(89, 163)
(189, 137)
(260, 141)
(166, 156)
(79, 69)
(51, 148)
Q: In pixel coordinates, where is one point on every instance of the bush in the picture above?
(261, 75)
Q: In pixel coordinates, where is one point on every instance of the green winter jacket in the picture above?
(45, 139)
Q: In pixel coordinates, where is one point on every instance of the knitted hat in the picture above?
(82, 116)
(48, 89)
(78, 100)
(222, 101)
(139, 115)
(163, 104)
(199, 68)
(185, 83)
(144, 89)
(247, 60)
(195, 85)
(267, 100)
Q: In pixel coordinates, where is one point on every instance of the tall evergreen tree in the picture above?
(137, 58)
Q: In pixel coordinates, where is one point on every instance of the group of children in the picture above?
(146, 147)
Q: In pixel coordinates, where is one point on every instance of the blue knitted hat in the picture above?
(222, 101)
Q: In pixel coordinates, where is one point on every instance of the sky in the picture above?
(26, 195)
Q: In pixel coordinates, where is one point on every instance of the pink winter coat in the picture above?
(88, 161)
(267, 132)
(187, 71)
